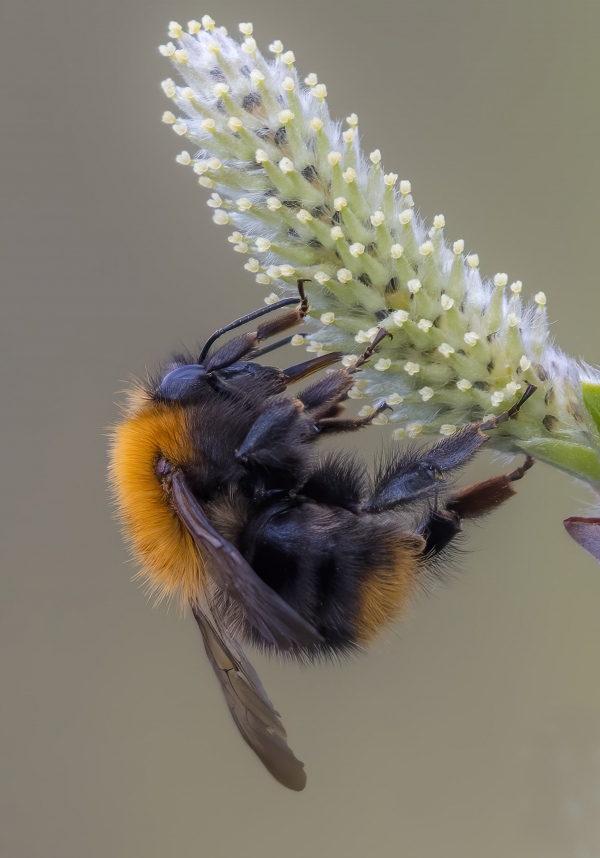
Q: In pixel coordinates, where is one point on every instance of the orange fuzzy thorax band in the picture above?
(170, 562)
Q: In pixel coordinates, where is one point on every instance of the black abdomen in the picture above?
(331, 565)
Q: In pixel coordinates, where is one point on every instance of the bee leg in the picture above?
(323, 399)
(370, 350)
(484, 497)
(470, 503)
(327, 393)
(272, 433)
(329, 425)
(409, 476)
(494, 422)
(439, 530)
(274, 453)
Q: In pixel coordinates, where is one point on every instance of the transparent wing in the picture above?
(251, 709)
(267, 612)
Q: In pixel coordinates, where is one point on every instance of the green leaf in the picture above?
(591, 400)
(580, 462)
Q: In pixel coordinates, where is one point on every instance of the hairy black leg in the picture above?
(274, 432)
(323, 398)
(409, 476)
(336, 387)
(274, 452)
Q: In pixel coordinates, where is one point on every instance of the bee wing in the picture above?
(267, 612)
(251, 709)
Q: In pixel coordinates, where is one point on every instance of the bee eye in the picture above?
(181, 382)
(163, 469)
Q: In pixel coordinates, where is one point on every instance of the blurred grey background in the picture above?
(474, 729)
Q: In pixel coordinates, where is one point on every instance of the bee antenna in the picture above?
(242, 321)
(276, 345)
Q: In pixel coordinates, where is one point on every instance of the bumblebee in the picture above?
(227, 504)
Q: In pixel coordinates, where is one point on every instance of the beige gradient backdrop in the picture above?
(473, 730)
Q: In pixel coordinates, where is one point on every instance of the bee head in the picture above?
(182, 383)
(194, 382)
